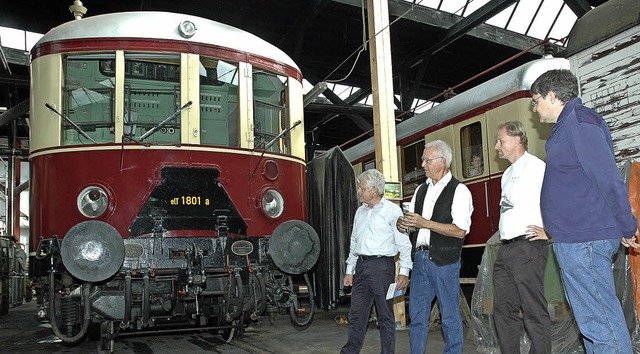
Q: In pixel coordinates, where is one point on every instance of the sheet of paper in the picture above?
(392, 292)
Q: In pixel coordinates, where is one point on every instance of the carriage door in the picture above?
(471, 152)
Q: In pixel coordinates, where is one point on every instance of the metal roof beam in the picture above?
(463, 26)
(579, 7)
(14, 113)
(358, 120)
(432, 17)
(339, 106)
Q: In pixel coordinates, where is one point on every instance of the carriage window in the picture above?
(218, 102)
(151, 96)
(412, 171)
(269, 111)
(472, 151)
(88, 100)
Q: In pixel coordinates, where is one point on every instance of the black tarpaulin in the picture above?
(332, 203)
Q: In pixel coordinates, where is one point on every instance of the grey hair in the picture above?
(516, 128)
(373, 178)
(443, 150)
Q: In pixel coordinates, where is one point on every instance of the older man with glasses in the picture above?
(375, 242)
(441, 212)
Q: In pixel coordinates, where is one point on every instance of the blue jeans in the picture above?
(428, 281)
(587, 276)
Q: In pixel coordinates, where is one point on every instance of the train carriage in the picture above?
(468, 122)
(167, 176)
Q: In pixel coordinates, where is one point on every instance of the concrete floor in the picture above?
(21, 332)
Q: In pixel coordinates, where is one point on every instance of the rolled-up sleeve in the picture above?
(462, 208)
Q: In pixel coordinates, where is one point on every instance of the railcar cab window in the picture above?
(269, 111)
(472, 150)
(152, 94)
(413, 173)
(88, 93)
(218, 102)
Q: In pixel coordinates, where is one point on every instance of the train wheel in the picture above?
(302, 309)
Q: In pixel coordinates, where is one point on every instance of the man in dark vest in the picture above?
(440, 211)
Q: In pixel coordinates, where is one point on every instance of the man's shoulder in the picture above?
(535, 160)
(462, 188)
(587, 115)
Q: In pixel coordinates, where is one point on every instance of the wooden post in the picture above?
(634, 255)
(383, 111)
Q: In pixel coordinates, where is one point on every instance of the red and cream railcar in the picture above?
(468, 123)
(168, 176)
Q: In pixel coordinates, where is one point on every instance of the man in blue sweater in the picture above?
(585, 209)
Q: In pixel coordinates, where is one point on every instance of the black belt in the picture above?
(517, 238)
(368, 258)
(422, 248)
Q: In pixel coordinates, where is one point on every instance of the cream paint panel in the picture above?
(296, 112)
(119, 96)
(245, 106)
(358, 168)
(190, 91)
(445, 134)
(537, 133)
(47, 72)
(457, 146)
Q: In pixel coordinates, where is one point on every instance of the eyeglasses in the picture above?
(435, 158)
(534, 101)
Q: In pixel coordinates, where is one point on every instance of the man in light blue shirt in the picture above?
(375, 241)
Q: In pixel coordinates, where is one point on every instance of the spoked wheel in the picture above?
(302, 309)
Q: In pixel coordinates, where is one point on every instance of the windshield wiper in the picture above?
(268, 145)
(73, 124)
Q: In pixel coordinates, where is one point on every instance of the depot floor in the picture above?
(21, 332)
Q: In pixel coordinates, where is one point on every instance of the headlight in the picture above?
(272, 203)
(92, 201)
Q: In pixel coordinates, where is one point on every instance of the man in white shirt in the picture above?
(441, 211)
(375, 242)
(518, 273)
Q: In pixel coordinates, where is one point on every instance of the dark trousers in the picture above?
(518, 282)
(370, 284)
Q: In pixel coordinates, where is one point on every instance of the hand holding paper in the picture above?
(392, 292)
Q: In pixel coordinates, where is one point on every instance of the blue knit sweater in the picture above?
(583, 195)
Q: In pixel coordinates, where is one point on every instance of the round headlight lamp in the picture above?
(93, 201)
(272, 203)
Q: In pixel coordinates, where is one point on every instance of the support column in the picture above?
(384, 126)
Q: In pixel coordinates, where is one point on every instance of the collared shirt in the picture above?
(461, 208)
(520, 201)
(375, 234)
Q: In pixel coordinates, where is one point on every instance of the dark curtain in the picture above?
(332, 203)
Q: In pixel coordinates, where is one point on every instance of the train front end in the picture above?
(168, 178)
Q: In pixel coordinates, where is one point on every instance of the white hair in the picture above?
(443, 150)
(373, 178)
